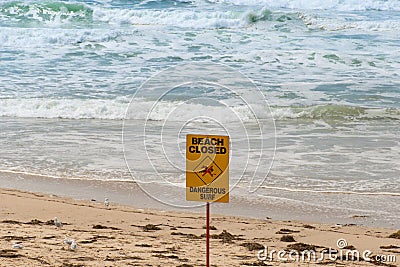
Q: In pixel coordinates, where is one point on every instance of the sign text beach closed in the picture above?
(207, 168)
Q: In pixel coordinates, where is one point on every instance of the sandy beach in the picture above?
(127, 236)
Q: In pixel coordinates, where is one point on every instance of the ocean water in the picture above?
(329, 71)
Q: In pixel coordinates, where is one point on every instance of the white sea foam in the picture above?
(63, 108)
(28, 38)
(179, 18)
(220, 14)
(244, 17)
(342, 5)
(94, 30)
(330, 191)
(115, 109)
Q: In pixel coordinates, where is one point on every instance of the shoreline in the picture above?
(129, 193)
(123, 235)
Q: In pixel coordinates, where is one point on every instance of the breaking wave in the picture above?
(217, 14)
(115, 109)
(26, 14)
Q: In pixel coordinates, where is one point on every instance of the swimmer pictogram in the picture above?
(207, 170)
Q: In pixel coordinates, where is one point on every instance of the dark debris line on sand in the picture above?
(395, 235)
(99, 226)
(150, 227)
(225, 237)
(31, 222)
(9, 253)
(285, 231)
(389, 247)
(252, 246)
(302, 247)
(190, 236)
(287, 238)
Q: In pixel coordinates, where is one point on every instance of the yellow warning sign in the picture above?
(207, 168)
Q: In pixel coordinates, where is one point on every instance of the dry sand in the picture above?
(127, 236)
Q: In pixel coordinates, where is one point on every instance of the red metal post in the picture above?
(208, 234)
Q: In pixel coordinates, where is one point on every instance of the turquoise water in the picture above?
(329, 71)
